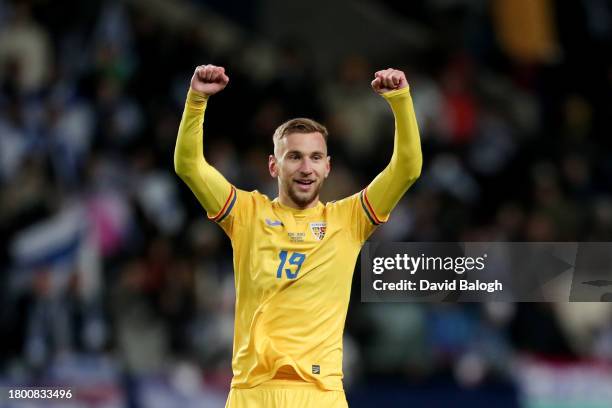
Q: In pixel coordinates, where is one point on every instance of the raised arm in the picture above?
(385, 191)
(209, 186)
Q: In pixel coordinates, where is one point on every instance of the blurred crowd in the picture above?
(111, 274)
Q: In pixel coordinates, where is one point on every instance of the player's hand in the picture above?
(389, 80)
(209, 79)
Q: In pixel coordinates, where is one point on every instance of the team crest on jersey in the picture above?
(318, 229)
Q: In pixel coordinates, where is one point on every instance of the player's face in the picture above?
(301, 165)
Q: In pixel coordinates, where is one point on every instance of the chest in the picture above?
(285, 249)
(275, 232)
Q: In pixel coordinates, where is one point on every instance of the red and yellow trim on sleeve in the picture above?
(227, 207)
(367, 208)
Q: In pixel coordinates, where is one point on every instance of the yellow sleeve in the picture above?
(385, 191)
(212, 190)
(353, 212)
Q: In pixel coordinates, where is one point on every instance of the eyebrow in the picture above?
(302, 153)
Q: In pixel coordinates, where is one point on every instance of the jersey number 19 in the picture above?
(296, 259)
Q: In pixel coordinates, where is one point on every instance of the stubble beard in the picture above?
(303, 199)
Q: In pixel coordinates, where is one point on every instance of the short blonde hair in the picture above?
(298, 125)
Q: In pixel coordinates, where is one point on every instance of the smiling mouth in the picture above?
(304, 182)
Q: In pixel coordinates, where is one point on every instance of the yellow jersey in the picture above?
(293, 268)
(293, 273)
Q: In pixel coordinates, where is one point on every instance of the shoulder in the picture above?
(254, 198)
(257, 196)
(344, 205)
(357, 206)
(343, 202)
(240, 207)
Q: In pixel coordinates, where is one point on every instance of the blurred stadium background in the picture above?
(114, 284)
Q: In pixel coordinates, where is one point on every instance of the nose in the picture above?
(305, 166)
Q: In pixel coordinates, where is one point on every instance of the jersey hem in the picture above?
(272, 383)
(396, 92)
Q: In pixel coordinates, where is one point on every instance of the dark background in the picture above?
(112, 281)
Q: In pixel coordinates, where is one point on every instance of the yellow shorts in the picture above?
(285, 394)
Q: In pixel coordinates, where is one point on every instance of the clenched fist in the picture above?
(389, 80)
(209, 79)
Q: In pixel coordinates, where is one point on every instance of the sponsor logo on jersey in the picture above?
(273, 223)
(296, 236)
(316, 369)
(318, 229)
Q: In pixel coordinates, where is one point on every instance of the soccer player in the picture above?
(294, 257)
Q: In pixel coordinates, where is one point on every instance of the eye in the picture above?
(317, 157)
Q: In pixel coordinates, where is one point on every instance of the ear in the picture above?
(328, 166)
(272, 166)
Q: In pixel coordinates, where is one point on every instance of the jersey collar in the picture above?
(295, 211)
